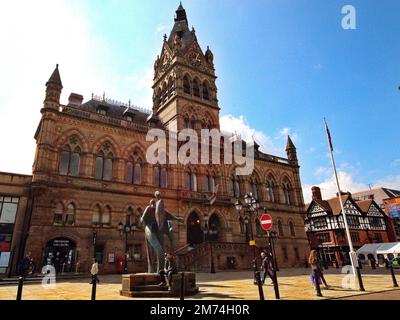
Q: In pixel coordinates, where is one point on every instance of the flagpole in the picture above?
(352, 252)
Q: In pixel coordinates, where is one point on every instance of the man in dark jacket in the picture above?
(266, 266)
(169, 270)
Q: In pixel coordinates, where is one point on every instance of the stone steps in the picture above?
(147, 285)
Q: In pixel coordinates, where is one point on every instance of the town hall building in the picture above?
(91, 180)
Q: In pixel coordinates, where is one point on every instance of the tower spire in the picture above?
(53, 90)
(181, 13)
(55, 77)
(291, 151)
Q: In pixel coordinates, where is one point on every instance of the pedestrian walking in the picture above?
(316, 269)
(266, 266)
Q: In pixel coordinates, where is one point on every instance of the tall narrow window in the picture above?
(235, 187)
(99, 165)
(75, 161)
(108, 167)
(194, 182)
(156, 176)
(106, 216)
(271, 189)
(69, 161)
(186, 85)
(59, 214)
(164, 178)
(188, 181)
(137, 173)
(96, 215)
(196, 88)
(292, 230)
(280, 228)
(64, 160)
(212, 184)
(129, 171)
(206, 92)
(206, 184)
(70, 215)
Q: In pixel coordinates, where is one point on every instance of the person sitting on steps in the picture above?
(168, 271)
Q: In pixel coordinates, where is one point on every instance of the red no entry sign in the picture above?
(266, 222)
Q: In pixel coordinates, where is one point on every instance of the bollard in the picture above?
(94, 287)
(20, 286)
(276, 285)
(316, 282)
(259, 284)
(182, 287)
(360, 281)
(393, 276)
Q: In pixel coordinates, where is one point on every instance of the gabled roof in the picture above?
(334, 204)
(364, 205)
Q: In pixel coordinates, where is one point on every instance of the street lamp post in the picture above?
(94, 240)
(209, 241)
(126, 230)
(249, 207)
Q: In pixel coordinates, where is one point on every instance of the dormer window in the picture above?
(129, 118)
(102, 110)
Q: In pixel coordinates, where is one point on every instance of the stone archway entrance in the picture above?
(61, 253)
(195, 233)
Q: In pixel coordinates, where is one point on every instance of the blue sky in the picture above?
(282, 66)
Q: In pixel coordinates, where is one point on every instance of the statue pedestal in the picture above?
(147, 285)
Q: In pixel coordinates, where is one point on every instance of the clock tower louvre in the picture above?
(184, 90)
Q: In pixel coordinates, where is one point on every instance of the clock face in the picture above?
(194, 59)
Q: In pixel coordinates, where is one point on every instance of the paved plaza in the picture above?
(294, 284)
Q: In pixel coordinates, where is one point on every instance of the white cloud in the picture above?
(391, 182)
(329, 188)
(239, 125)
(36, 35)
(348, 182)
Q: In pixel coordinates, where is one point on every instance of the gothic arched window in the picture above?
(188, 181)
(164, 178)
(59, 214)
(206, 92)
(271, 187)
(96, 215)
(207, 184)
(134, 171)
(186, 85)
(160, 177)
(254, 188)
(235, 187)
(106, 216)
(287, 190)
(171, 87)
(104, 165)
(70, 161)
(280, 228)
(194, 182)
(292, 230)
(70, 215)
(196, 88)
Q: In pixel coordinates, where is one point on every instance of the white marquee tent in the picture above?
(380, 248)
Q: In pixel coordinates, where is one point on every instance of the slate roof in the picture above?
(115, 111)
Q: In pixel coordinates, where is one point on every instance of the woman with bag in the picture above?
(314, 262)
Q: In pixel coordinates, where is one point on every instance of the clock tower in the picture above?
(184, 90)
